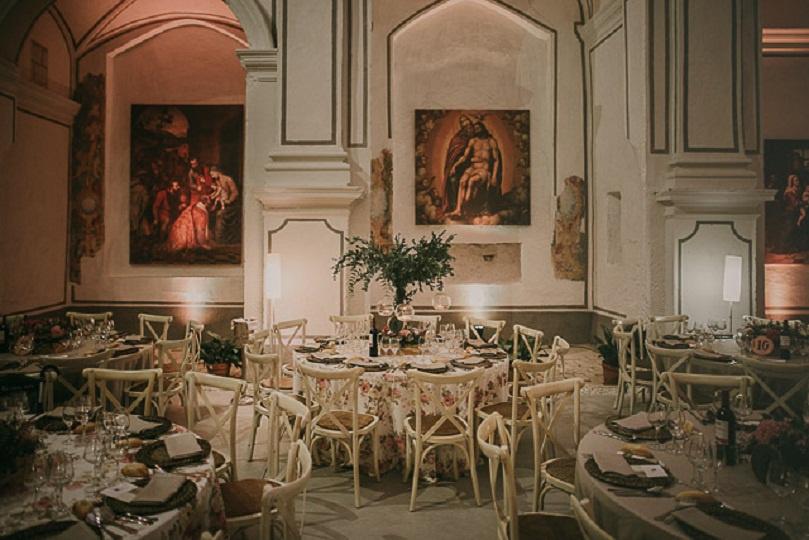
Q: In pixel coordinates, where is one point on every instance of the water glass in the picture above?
(447, 329)
(68, 417)
(696, 454)
(94, 453)
(395, 345)
(658, 416)
(36, 479)
(83, 415)
(60, 473)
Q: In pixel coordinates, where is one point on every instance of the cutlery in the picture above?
(94, 520)
(146, 520)
(109, 516)
(655, 491)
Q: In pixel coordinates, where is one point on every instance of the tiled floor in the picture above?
(444, 510)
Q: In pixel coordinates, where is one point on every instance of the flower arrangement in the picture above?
(797, 331)
(17, 442)
(406, 267)
(45, 333)
(407, 336)
(790, 438)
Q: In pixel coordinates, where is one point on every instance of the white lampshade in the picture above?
(732, 283)
(272, 276)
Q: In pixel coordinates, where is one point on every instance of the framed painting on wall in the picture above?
(185, 187)
(473, 167)
(786, 169)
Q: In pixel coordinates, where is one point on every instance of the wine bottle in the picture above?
(373, 340)
(3, 336)
(725, 432)
(785, 342)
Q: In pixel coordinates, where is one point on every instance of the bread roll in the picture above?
(89, 427)
(692, 495)
(637, 450)
(82, 508)
(135, 470)
(133, 442)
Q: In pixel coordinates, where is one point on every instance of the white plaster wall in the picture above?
(183, 65)
(785, 115)
(33, 216)
(47, 33)
(498, 61)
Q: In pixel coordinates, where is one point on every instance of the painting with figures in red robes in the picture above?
(786, 170)
(185, 186)
(473, 167)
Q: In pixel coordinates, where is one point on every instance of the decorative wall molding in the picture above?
(785, 41)
(261, 64)
(745, 201)
(608, 19)
(285, 198)
(35, 99)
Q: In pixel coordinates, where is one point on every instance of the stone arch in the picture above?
(257, 23)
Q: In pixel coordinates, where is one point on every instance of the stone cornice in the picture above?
(35, 99)
(257, 60)
(744, 201)
(277, 198)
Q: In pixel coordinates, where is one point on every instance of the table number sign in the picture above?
(762, 345)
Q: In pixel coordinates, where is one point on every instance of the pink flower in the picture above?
(56, 331)
(769, 430)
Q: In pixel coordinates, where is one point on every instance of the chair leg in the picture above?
(416, 467)
(632, 395)
(455, 463)
(619, 398)
(333, 452)
(537, 487)
(355, 458)
(408, 457)
(375, 441)
(616, 401)
(473, 470)
(256, 424)
(542, 494)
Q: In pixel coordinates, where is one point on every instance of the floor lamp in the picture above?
(732, 284)
(272, 286)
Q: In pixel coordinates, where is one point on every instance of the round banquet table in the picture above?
(188, 521)
(634, 517)
(388, 395)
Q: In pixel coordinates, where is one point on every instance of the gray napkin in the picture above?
(182, 444)
(160, 488)
(636, 422)
(701, 521)
(137, 424)
(610, 462)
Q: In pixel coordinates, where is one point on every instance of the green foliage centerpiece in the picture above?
(405, 267)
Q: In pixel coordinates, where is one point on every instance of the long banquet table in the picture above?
(629, 517)
(388, 395)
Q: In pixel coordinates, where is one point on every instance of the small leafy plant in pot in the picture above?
(609, 356)
(219, 355)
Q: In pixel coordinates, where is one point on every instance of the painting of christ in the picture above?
(472, 167)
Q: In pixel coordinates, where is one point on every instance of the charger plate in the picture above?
(155, 432)
(635, 482)
(155, 454)
(645, 435)
(186, 494)
(735, 518)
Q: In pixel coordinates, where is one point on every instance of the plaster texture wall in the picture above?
(193, 64)
(46, 33)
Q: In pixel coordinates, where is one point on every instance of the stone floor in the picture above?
(445, 509)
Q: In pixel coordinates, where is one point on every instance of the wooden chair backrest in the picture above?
(341, 386)
(495, 325)
(546, 401)
(432, 389)
(156, 325)
(97, 379)
(530, 337)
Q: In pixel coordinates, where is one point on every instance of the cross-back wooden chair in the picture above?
(559, 349)
(496, 326)
(263, 374)
(546, 401)
(173, 359)
(494, 442)
(288, 418)
(424, 322)
(589, 528)
(515, 412)
(157, 326)
(241, 497)
(682, 400)
(677, 358)
(223, 417)
(530, 338)
(98, 379)
(347, 325)
(76, 317)
(633, 373)
(257, 343)
(661, 325)
(327, 392)
(278, 503)
(54, 379)
(438, 421)
(193, 332)
(285, 336)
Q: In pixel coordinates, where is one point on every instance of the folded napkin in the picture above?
(181, 445)
(57, 412)
(609, 462)
(701, 521)
(125, 352)
(138, 424)
(480, 344)
(160, 488)
(306, 349)
(472, 361)
(636, 422)
(669, 345)
(325, 358)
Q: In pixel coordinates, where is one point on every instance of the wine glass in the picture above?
(60, 473)
(37, 478)
(83, 416)
(394, 346)
(441, 301)
(94, 454)
(695, 453)
(658, 416)
(68, 417)
(447, 329)
(783, 481)
(678, 433)
(741, 406)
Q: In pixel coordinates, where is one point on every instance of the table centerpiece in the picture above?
(787, 439)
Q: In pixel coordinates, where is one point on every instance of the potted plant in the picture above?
(219, 355)
(609, 356)
(404, 267)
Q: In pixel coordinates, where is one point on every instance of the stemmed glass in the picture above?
(696, 454)
(83, 416)
(68, 417)
(678, 433)
(394, 346)
(783, 481)
(658, 416)
(37, 479)
(94, 454)
(60, 473)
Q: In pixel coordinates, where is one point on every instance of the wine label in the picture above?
(721, 432)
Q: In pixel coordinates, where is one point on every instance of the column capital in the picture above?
(259, 60)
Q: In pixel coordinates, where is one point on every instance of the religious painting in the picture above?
(185, 190)
(786, 170)
(473, 167)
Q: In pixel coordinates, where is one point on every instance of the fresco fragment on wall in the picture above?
(473, 167)
(569, 248)
(87, 174)
(382, 197)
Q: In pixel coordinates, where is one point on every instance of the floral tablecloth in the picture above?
(388, 395)
(205, 513)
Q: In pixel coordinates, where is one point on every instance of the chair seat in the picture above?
(504, 408)
(218, 459)
(428, 421)
(344, 417)
(563, 469)
(284, 383)
(549, 526)
(243, 497)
